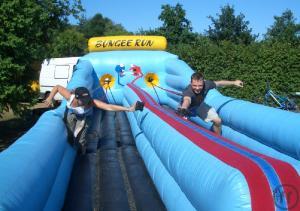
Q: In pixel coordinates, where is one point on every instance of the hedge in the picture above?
(255, 64)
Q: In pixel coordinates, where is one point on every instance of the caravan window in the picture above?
(61, 71)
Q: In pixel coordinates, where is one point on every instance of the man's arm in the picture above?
(237, 83)
(186, 102)
(57, 89)
(111, 107)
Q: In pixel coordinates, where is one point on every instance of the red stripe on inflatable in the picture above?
(136, 79)
(290, 180)
(261, 195)
(151, 98)
(286, 172)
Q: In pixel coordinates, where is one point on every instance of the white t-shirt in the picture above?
(80, 110)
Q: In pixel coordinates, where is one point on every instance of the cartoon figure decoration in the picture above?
(136, 70)
(120, 69)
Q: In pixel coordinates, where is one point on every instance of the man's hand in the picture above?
(182, 112)
(131, 108)
(238, 83)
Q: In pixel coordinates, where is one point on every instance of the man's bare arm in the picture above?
(111, 107)
(222, 83)
(186, 102)
(57, 89)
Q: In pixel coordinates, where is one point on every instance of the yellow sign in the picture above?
(127, 43)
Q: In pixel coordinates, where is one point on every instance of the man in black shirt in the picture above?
(193, 99)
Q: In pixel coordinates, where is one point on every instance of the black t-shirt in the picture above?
(197, 99)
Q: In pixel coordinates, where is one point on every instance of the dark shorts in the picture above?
(77, 128)
(205, 112)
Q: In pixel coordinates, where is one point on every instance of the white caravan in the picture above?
(56, 71)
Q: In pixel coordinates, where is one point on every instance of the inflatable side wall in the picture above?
(35, 170)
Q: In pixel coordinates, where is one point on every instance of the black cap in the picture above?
(82, 94)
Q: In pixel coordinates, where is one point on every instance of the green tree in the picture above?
(150, 31)
(27, 28)
(68, 43)
(100, 26)
(114, 29)
(176, 27)
(284, 28)
(229, 27)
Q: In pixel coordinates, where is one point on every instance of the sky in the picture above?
(139, 14)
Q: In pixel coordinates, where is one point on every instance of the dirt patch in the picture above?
(12, 127)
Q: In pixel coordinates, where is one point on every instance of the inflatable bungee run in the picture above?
(254, 165)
